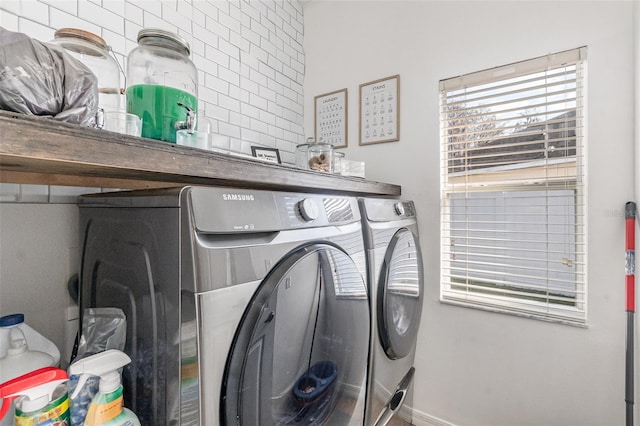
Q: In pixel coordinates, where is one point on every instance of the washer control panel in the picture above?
(309, 209)
(312, 210)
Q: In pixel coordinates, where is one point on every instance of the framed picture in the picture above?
(331, 118)
(380, 111)
(268, 154)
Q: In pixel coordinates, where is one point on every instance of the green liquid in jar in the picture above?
(158, 107)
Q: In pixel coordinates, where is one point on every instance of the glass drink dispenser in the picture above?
(162, 84)
(93, 51)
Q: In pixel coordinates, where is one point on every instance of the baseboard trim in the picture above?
(424, 419)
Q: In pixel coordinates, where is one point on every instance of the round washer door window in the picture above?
(302, 344)
(400, 293)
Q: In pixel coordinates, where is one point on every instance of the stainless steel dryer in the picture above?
(243, 307)
(396, 292)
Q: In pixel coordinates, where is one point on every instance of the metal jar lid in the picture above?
(91, 38)
(167, 35)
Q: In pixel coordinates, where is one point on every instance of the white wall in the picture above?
(474, 367)
(38, 254)
(249, 55)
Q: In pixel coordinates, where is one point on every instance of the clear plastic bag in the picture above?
(42, 79)
(102, 329)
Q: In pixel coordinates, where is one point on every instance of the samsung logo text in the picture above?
(238, 197)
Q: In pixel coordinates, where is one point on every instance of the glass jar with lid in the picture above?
(320, 157)
(94, 52)
(162, 83)
(302, 160)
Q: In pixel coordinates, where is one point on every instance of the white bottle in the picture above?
(19, 359)
(23, 349)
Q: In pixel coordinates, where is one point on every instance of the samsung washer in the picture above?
(243, 307)
(396, 293)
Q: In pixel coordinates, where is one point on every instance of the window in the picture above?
(513, 197)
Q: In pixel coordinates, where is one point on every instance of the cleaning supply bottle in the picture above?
(23, 349)
(107, 406)
(84, 379)
(20, 359)
(40, 398)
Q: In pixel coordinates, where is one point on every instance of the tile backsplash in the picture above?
(249, 55)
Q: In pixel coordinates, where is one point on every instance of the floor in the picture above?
(396, 421)
(346, 405)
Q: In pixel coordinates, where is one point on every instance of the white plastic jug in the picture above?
(22, 349)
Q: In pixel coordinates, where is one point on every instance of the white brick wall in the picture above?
(248, 53)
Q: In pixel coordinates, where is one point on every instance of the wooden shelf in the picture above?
(39, 150)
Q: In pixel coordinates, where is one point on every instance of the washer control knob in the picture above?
(308, 209)
(399, 208)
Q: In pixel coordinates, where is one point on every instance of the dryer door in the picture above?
(299, 355)
(400, 292)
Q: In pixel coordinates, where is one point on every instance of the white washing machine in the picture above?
(243, 307)
(396, 293)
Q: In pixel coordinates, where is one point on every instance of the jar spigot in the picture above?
(190, 122)
(99, 119)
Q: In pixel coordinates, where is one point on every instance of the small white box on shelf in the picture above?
(353, 168)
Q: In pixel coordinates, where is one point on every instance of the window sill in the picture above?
(517, 313)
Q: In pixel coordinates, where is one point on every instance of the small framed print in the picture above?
(331, 118)
(271, 155)
(380, 111)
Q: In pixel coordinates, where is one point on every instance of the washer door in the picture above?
(399, 297)
(299, 355)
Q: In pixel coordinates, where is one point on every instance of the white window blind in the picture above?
(513, 198)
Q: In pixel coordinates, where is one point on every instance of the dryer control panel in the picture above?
(385, 210)
(404, 209)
